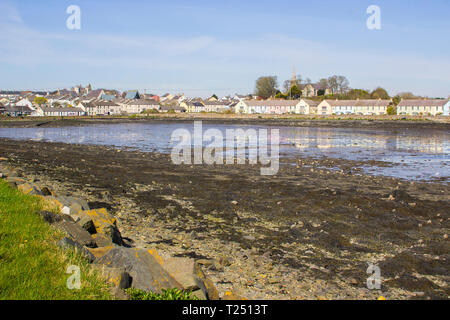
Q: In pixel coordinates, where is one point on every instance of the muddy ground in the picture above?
(306, 233)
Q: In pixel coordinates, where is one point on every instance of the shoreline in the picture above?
(382, 122)
(306, 233)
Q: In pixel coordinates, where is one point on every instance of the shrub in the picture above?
(170, 294)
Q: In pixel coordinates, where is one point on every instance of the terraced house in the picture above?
(359, 107)
(433, 107)
(267, 106)
(136, 106)
(101, 108)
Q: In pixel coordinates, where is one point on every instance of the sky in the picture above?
(203, 47)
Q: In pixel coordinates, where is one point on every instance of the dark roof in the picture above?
(424, 103)
(143, 102)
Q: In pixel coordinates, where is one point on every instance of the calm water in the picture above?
(409, 154)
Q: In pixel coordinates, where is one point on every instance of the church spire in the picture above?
(294, 77)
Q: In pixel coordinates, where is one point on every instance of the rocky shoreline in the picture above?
(95, 235)
(308, 233)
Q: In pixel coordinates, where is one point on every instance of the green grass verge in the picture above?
(32, 266)
(170, 294)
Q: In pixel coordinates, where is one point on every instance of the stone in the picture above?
(87, 224)
(75, 245)
(75, 204)
(199, 294)
(205, 283)
(229, 295)
(119, 277)
(65, 210)
(46, 191)
(102, 240)
(29, 188)
(146, 273)
(77, 233)
(182, 270)
(50, 217)
(100, 251)
(105, 225)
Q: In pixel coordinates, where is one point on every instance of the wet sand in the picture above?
(306, 233)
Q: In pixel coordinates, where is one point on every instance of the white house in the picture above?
(424, 107)
(136, 106)
(60, 112)
(360, 107)
(267, 106)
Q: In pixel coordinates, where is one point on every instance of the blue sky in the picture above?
(204, 47)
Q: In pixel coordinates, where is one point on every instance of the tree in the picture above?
(266, 87)
(357, 94)
(338, 84)
(294, 93)
(214, 96)
(396, 100)
(391, 110)
(407, 95)
(40, 100)
(343, 84)
(380, 93)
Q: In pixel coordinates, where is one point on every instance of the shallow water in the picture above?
(405, 153)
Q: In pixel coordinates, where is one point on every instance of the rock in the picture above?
(46, 191)
(199, 294)
(105, 225)
(146, 273)
(29, 188)
(119, 277)
(70, 243)
(100, 251)
(205, 283)
(229, 295)
(182, 270)
(77, 233)
(74, 204)
(87, 224)
(50, 217)
(102, 240)
(65, 210)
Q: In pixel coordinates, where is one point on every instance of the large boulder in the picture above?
(75, 245)
(205, 283)
(118, 277)
(105, 224)
(182, 270)
(74, 205)
(87, 224)
(146, 273)
(77, 233)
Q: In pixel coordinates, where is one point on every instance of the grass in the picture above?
(170, 294)
(32, 266)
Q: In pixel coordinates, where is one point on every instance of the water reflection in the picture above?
(416, 154)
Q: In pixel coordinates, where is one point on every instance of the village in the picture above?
(312, 99)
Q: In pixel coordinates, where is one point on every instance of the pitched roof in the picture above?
(423, 103)
(284, 103)
(312, 103)
(358, 103)
(73, 109)
(143, 102)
